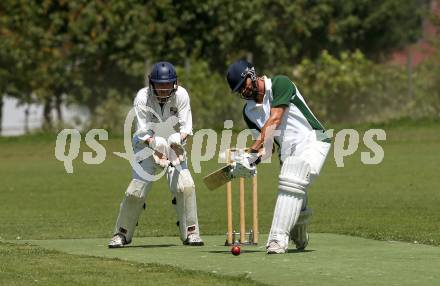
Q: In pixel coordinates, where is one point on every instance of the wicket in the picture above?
(253, 233)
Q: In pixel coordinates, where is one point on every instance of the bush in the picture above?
(427, 87)
(211, 99)
(352, 88)
(345, 89)
(110, 114)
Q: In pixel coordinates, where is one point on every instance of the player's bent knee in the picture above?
(137, 189)
(294, 176)
(186, 182)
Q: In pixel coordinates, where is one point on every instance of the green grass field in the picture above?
(396, 200)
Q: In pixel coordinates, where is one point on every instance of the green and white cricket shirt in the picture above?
(298, 124)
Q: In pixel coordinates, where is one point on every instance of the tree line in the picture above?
(89, 52)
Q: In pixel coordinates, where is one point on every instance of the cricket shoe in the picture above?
(117, 241)
(300, 237)
(276, 247)
(193, 239)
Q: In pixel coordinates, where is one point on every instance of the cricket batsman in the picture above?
(276, 109)
(162, 101)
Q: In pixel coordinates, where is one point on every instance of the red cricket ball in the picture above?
(235, 250)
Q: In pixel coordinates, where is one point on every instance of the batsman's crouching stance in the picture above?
(163, 98)
(276, 105)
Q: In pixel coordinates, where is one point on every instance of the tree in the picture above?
(30, 53)
(351, 88)
(280, 32)
(83, 51)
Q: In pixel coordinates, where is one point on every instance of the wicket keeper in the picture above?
(165, 99)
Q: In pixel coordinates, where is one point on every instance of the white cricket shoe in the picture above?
(300, 237)
(118, 240)
(276, 247)
(193, 239)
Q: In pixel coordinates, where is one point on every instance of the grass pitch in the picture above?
(32, 265)
(396, 200)
(329, 260)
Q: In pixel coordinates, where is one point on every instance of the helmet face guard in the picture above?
(163, 81)
(163, 95)
(245, 93)
(237, 75)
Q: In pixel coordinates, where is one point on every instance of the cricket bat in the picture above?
(218, 178)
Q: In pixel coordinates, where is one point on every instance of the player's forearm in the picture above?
(274, 121)
(271, 124)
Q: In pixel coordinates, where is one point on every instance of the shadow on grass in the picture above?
(299, 251)
(149, 246)
(290, 251)
(229, 252)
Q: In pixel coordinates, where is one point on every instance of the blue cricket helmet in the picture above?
(238, 72)
(163, 72)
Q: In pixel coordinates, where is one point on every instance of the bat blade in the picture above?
(218, 178)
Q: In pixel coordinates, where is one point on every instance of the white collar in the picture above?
(267, 94)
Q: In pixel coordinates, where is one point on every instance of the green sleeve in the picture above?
(283, 91)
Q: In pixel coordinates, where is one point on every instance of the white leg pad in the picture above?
(131, 208)
(182, 186)
(293, 181)
(299, 233)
